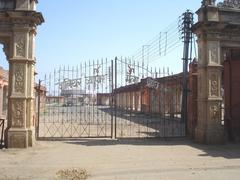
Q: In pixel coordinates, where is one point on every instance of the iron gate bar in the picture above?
(115, 109)
(38, 108)
(112, 96)
(2, 121)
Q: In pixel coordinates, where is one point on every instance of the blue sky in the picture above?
(78, 30)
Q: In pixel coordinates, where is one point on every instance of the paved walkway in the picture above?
(123, 160)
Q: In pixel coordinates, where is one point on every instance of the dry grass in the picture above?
(72, 174)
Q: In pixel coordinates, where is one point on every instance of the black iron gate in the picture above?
(104, 98)
(75, 102)
(147, 102)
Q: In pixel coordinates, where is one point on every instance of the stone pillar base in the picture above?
(210, 136)
(17, 138)
(31, 137)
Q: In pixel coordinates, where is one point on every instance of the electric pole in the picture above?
(187, 22)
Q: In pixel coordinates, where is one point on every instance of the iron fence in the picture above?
(75, 101)
(149, 105)
(106, 98)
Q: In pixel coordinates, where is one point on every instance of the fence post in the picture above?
(112, 98)
(2, 131)
(38, 111)
(115, 100)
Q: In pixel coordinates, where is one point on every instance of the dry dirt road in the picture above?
(138, 159)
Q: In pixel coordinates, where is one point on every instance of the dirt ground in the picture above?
(105, 159)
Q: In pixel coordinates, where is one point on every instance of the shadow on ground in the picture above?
(228, 151)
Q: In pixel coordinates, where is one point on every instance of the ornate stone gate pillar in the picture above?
(217, 29)
(18, 20)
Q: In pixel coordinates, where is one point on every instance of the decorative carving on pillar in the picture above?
(214, 112)
(230, 3)
(20, 46)
(19, 78)
(17, 113)
(213, 52)
(214, 85)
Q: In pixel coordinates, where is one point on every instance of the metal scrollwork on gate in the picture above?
(96, 69)
(70, 83)
(95, 79)
(130, 77)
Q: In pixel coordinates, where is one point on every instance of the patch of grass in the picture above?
(72, 174)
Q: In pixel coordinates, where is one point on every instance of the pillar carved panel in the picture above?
(214, 116)
(214, 85)
(19, 78)
(213, 52)
(20, 45)
(18, 107)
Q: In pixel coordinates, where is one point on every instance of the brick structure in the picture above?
(157, 96)
(129, 97)
(104, 99)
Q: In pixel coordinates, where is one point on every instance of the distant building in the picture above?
(54, 99)
(40, 94)
(75, 96)
(104, 99)
(160, 95)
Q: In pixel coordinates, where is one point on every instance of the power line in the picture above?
(160, 45)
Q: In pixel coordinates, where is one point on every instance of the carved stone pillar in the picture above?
(218, 29)
(20, 24)
(209, 128)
